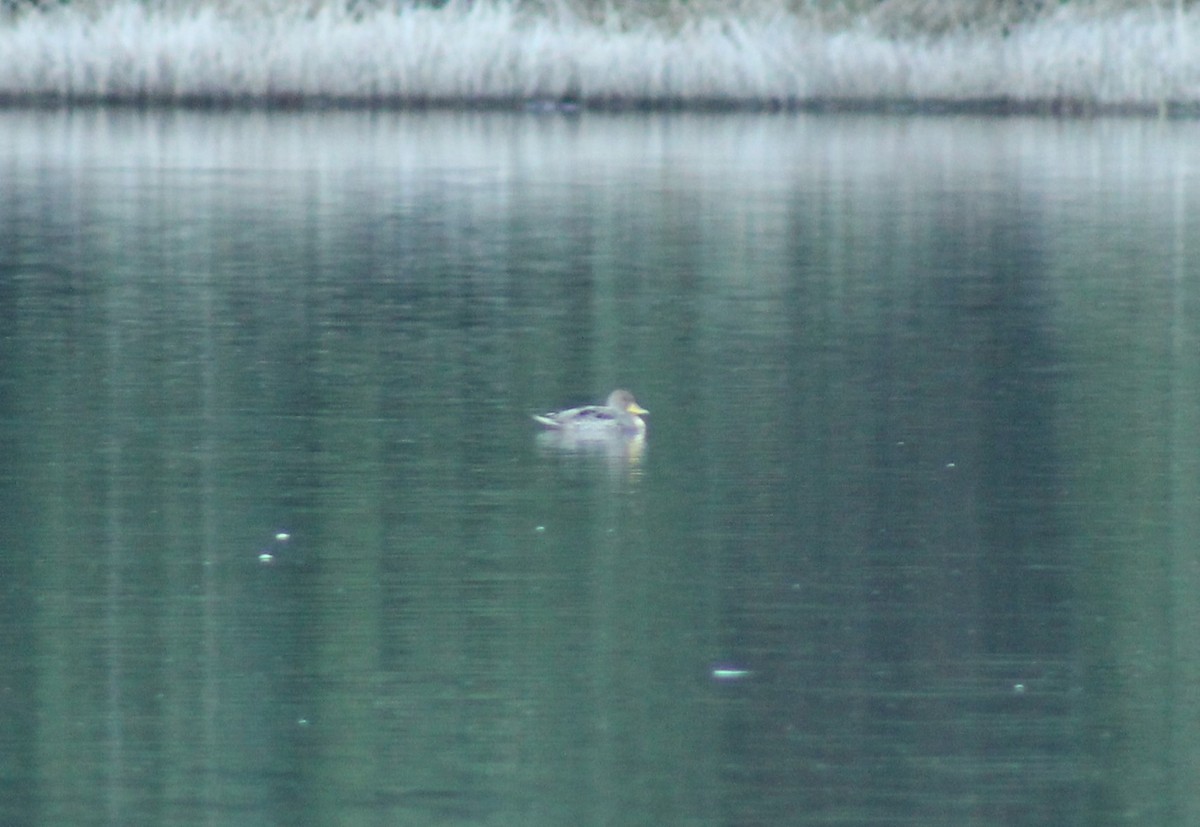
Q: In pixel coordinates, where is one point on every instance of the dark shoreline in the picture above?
(993, 107)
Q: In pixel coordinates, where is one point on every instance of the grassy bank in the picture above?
(1006, 56)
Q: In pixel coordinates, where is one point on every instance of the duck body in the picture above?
(619, 417)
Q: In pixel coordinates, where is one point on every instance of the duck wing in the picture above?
(588, 415)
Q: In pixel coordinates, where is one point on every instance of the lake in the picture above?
(912, 538)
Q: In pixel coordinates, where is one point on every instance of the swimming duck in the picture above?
(620, 416)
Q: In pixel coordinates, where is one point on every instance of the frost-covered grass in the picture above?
(493, 52)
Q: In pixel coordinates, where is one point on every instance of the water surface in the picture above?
(912, 540)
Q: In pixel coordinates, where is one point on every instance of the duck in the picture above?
(619, 417)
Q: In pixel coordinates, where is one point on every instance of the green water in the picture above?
(913, 539)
